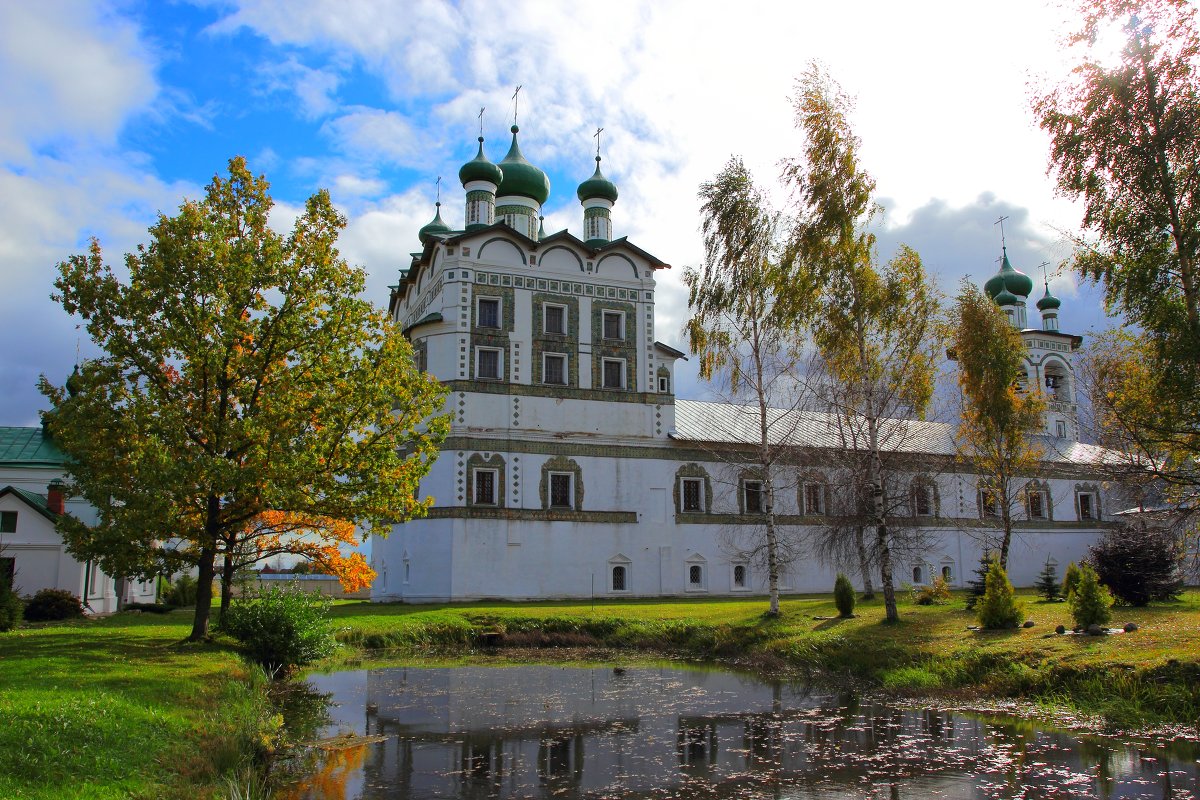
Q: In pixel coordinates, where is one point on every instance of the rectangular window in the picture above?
(1060, 429)
(1087, 506)
(923, 501)
(560, 490)
(8, 522)
(554, 368)
(554, 319)
(692, 494)
(664, 385)
(1037, 505)
(488, 313)
(613, 373)
(487, 363)
(485, 487)
(989, 505)
(814, 498)
(753, 493)
(614, 325)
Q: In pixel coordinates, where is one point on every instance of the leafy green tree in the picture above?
(877, 334)
(843, 596)
(743, 331)
(241, 373)
(999, 412)
(1125, 142)
(1090, 603)
(998, 608)
(1139, 563)
(1047, 583)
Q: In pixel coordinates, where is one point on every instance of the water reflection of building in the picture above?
(550, 732)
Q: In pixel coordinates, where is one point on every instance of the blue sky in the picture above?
(115, 111)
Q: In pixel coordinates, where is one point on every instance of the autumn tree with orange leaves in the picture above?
(244, 388)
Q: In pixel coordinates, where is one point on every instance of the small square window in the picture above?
(753, 494)
(554, 368)
(488, 313)
(613, 373)
(485, 487)
(560, 490)
(554, 319)
(8, 522)
(692, 493)
(614, 325)
(487, 363)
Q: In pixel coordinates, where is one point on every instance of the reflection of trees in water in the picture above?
(771, 748)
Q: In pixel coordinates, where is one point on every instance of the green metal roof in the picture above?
(597, 186)
(28, 447)
(521, 177)
(480, 169)
(36, 501)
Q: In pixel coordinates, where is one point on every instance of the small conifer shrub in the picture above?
(11, 607)
(1090, 602)
(1070, 580)
(843, 596)
(998, 608)
(1047, 583)
(978, 585)
(1138, 563)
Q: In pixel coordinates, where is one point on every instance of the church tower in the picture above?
(1050, 353)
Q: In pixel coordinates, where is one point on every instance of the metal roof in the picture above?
(28, 447)
(732, 423)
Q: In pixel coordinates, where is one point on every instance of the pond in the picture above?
(545, 731)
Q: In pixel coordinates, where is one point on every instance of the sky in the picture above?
(114, 112)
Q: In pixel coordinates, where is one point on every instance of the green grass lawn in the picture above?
(120, 707)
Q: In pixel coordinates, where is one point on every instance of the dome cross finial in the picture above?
(597, 135)
(515, 99)
(439, 190)
(481, 109)
(1000, 222)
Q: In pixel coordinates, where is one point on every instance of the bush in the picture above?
(182, 592)
(1070, 580)
(843, 596)
(1138, 564)
(1090, 602)
(53, 604)
(1047, 583)
(281, 628)
(935, 594)
(11, 608)
(998, 607)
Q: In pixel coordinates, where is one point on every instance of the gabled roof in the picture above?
(28, 447)
(671, 351)
(32, 499)
(730, 423)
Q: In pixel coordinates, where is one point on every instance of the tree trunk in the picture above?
(204, 581)
(1005, 522)
(772, 546)
(885, 571)
(864, 563)
(227, 570)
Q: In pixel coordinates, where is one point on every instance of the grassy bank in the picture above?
(119, 708)
(1151, 675)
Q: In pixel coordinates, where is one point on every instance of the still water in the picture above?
(664, 732)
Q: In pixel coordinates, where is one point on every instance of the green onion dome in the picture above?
(480, 169)
(1005, 298)
(520, 177)
(435, 227)
(597, 186)
(1048, 302)
(1008, 280)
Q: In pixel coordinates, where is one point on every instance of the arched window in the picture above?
(696, 575)
(948, 573)
(618, 578)
(918, 575)
(739, 576)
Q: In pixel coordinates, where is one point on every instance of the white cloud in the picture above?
(315, 88)
(377, 136)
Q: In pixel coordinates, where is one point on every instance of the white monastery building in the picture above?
(572, 470)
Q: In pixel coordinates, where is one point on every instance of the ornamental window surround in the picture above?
(691, 495)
